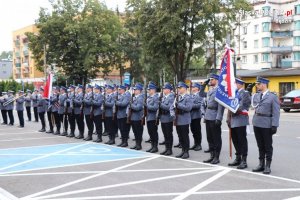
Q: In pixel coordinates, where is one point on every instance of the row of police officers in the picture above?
(121, 108)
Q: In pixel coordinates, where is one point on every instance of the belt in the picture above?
(242, 113)
(212, 108)
(263, 115)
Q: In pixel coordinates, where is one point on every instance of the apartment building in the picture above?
(269, 36)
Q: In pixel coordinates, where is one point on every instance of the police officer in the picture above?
(71, 114)
(122, 104)
(166, 119)
(114, 118)
(213, 119)
(50, 116)
(87, 101)
(34, 99)
(20, 108)
(196, 115)
(109, 104)
(238, 122)
(105, 132)
(3, 108)
(10, 107)
(78, 100)
(54, 109)
(63, 109)
(41, 109)
(181, 110)
(97, 112)
(152, 107)
(28, 104)
(265, 122)
(136, 107)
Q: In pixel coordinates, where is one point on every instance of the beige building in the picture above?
(23, 64)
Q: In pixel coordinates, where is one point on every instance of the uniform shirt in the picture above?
(165, 105)
(28, 101)
(184, 107)
(152, 107)
(78, 103)
(20, 103)
(214, 110)
(10, 106)
(54, 102)
(109, 104)
(267, 110)
(196, 112)
(61, 101)
(97, 104)
(87, 100)
(137, 106)
(70, 102)
(122, 104)
(34, 98)
(41, 104)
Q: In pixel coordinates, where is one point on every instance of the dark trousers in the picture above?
(152, 130)
(4, 116)
(11, 117)
(196, 130)
(28, 111)
(167, 129)
(21, 117)
(183, 135)
(239, 140)
(105, 125)
(112, 126)
(42, 118)
(123, 127)
(137, 129)
(64, 121)
(89, 124)
(57, 120)
(214, 138)
(80, 123)
(50, 120)
(98, 124)
(36, 115)
(264, 142)
(71, 118)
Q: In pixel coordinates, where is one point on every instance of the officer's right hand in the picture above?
(273, 130)
(218, 122)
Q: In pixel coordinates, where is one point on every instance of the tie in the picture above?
(261, 96)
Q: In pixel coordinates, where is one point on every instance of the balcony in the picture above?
(282, 19)
(25, 52)
(282, 49)
(17, 54)
(18, 64)
(281, 34)
(286, 63)
(25, 64)
(17, 43)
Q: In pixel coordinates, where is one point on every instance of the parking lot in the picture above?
(43, 166)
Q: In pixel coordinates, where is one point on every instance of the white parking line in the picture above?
(40, 138)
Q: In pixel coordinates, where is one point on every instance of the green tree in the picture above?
(6, 55)
(80, 38)
(170, 29)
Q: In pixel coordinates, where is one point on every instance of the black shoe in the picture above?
(105, 133)
(150, 148)
(56, 133)
(185, 154)
(180, 155)
(80, 136)
(216, 159)
(236, 162)
(64, 134)
(110, 142)
(50, 131)
(98, 140)
(20, 126)
(138, 145)
(169, 152)
(207, 151)
(116, 135)
(154, 148)
(134, 147)
(210, 159)
(36, 121)
(10, 124)
(164, 152)
(267, 169)
(42, 130)
(177, 145)
(243, 165)
(88, 138)
(260, 167)
(197, 147)
(125, 144)
(3, 123)
(148, 141)
(71, 135)
(162, 143)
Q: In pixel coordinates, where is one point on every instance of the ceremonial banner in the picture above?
(226, 91)
(48, 86)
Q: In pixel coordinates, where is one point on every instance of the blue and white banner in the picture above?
(227, 92)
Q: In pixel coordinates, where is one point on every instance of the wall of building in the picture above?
(6, 69)
(23, 63)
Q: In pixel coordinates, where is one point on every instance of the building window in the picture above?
(266, 26)
(256, 28)
(297, 9)
(297, 40)
(297, 56)
(245, 44)
(266, 42)
(255, 58)
(266, 10)
(245, 30)
(255, 43)
(286, 87)
(297, 25)
(265, 57)
(244, 59)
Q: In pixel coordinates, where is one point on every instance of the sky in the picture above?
(16, 14)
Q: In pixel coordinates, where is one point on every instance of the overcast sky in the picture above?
(15, 14)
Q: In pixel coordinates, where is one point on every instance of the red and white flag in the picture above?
(48, 86)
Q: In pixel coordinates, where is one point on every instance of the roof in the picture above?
(269, 72)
